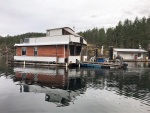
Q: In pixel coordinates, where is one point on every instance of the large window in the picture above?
(78, 50)
(23, 50)
(35, 51)
(75, 50)
(72, 50)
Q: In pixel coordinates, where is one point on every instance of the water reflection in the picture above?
(85, 89)
(60, 86)
(134, 83)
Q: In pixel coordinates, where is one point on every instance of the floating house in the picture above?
(60, 46)
(129, 54)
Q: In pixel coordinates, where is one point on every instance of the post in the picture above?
(96, 53)
(56, 55)
(110, 52)
(24, 63)
(149, 50)
(149, 54)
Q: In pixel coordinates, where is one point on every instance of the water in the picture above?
(57, 90)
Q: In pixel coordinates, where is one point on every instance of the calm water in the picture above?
(57, 90)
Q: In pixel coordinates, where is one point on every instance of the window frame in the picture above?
(35, 51)
(24, 51)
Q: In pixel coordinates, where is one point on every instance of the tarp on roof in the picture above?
(71, 32)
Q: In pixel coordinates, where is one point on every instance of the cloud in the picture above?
(21, 16)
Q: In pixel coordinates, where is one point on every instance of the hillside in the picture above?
(127, 34)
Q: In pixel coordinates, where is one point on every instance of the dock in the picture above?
(133, 60)
(35, 64)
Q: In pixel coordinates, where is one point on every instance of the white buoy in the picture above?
(102, 49)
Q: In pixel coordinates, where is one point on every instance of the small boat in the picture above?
(90, 65)
(106, 65)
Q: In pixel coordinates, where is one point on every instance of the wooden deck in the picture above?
(135, 60)
(36, 64)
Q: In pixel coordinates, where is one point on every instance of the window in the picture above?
(23, 50)
(35, 51)
(78, 50)
(72, 49)
(81, 40)
(26, 40)
(48, 33)
(75, 50)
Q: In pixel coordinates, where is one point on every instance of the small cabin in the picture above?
(129, 54)
(60, 46)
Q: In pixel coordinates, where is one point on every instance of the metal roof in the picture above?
(129, 50)
(61, 28)
(71, 31)
(41, 44)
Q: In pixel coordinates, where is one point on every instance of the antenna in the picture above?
(139, 46)
(74, 28)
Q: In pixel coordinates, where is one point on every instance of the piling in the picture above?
(110, 52)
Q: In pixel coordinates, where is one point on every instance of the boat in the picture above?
(104, 65)
(90, 65)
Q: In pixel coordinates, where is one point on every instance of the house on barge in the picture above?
(60, 46)
(129, 54)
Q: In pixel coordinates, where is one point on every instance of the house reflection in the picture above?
(60, 86)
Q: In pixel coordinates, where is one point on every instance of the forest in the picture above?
(9, 41)
(127, 34)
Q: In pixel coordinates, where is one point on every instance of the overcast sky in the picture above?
(22, 16)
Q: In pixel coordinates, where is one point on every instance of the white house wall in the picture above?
(126, 55)
(64, 39)
(85, 42)
(55, 39)
(130, 55)
(61, 60)
(35, 58)
(74, 39)
(114, 54)
(55, 32)
(72, 59)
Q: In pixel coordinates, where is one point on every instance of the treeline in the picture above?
(9, 41)
(127, 34)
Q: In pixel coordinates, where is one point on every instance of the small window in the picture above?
(24, 51)
(26, 40)
(48, 33)
(35, 51)
(81, 40)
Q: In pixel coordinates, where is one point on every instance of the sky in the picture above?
(22, 16)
